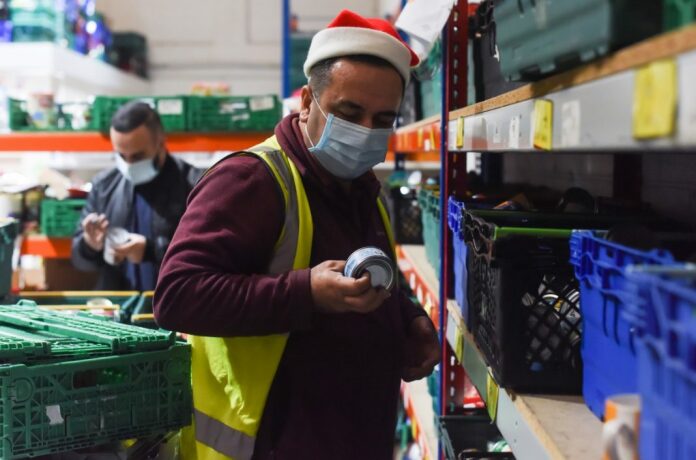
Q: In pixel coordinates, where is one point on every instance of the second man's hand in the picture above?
(334, 293)
(94, 228)
(133, 250)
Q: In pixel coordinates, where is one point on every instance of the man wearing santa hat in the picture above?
(290, 358)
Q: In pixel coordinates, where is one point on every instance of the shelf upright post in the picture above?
(454, 84)
(286, 49)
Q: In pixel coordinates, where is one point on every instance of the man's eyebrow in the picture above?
(349, 105)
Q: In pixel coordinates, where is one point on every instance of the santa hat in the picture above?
(350, 34)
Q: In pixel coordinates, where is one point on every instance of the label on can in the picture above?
(374, 261)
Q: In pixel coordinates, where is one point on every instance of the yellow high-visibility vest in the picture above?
(231, 377)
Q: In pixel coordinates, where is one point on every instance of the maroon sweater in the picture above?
(335, 393)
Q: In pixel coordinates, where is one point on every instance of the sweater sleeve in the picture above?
(83, 257)
(409, 310)
(212, 281)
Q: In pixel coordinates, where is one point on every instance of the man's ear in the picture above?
(305, 103)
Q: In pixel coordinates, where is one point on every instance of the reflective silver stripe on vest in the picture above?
(284, 257)
(222, 438)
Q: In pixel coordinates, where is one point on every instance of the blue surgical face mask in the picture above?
(140, 172)
(348, 150)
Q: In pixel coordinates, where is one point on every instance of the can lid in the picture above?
(379, 276)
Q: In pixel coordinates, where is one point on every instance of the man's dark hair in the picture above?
(320, 73)
(133, 115)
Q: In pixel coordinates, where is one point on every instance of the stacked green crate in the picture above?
(60, 218)
(679, 13)
(172, 110)
(76, 381)
(9, 229)
(19, 118)
(64, 118)
(233, 113)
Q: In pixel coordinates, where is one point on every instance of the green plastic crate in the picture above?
(234, 113)
(19, 118)
(65, 406)
(23, 346)
(429, 201)
(173, 111)
(59, 218)
(120, 338)
(537, 38)
(8, 232)
(679, 13)
(130, 40)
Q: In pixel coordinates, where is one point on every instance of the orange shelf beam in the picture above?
(179, 142)
(47, 247)
(98, 142)
(423, 136)
(427, 294)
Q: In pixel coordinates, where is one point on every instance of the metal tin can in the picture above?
(372, 260)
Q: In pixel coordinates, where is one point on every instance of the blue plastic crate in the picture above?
(665, 319)
(5, 31)
(455, 210)
(608, 352)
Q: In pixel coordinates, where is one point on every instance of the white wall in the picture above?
(233, 41)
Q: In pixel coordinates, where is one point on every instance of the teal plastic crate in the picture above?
(38, 21)
(60, 218)
(8, 232)
(431, 96)
(65, 406)
(679, 13)
(172, 110)
(537, 38)
(429, 201)
(234, 113)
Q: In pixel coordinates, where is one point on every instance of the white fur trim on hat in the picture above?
(344, 41)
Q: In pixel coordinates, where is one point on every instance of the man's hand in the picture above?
(334, 293)
(94, 230)
(422, 349)
(133, 250)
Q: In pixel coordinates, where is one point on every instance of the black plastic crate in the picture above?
(525, 305)
(468, 436)
(406, 216)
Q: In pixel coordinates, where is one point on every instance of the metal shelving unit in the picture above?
(593, 110)
(65, 72)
